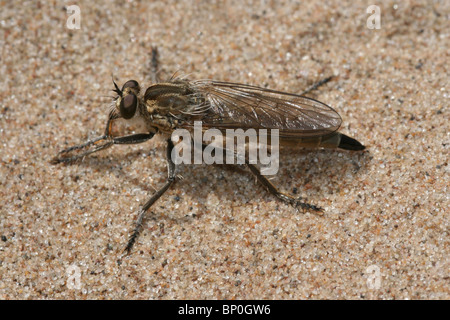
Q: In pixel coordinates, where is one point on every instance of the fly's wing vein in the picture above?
(234, 105)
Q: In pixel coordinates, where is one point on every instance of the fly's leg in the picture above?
(154, 65)
(296, 202)
(170, 180)
(316, 85)
(100, 143)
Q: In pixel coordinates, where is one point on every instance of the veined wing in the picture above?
(234, 105)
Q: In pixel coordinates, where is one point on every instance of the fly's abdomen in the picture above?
(348, 143)
(332, 141)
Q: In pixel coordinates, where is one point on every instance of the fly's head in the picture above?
(130, 106)
(128, 101)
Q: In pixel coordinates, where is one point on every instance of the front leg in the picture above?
(170, 180)
(100, 143)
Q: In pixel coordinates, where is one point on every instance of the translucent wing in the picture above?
(234, 105)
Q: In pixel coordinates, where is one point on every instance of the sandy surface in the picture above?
(217, 234)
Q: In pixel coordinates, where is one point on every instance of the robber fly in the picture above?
(177, 103)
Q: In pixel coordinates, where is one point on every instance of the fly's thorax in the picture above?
(158, 117)
(160, 89)
(167, 105)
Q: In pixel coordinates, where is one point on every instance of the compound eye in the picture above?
(132, 84)
(128, 106)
